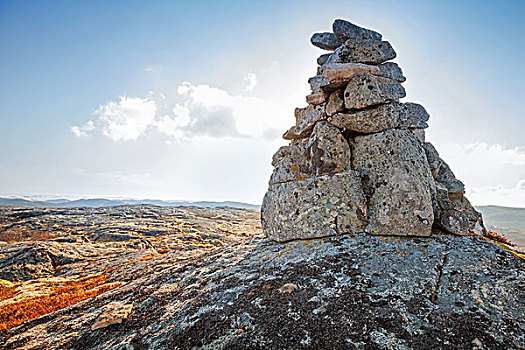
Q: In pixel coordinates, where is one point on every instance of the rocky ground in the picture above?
(50, 258)
(145, 277)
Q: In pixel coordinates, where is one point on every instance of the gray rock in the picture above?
(397, 181)
(316, 207)
(382, 117)
(305, 119)
(454, 187)
(335, 75)
(367, 90)
(420, 134)
(366, 51)
(441, 292)
(328, 151)
(323, 59)
(317, 98)
(453, 221)
(392, 70)
(326, 41)
(475, 220)
(335, 103)
(345, 30)
(291, 164)
(317, 82)
(440, 169)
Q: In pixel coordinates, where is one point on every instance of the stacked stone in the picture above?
(357, 159)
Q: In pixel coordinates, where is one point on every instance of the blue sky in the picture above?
(73, 74)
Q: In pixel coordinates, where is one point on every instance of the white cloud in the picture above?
(251, 78)
(201, 111)
(499, 195)
(126, 119)
(84, 130)
(216, 113)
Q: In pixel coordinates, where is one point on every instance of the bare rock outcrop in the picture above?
(358, 155)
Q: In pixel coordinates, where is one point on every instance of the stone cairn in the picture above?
(357, 160)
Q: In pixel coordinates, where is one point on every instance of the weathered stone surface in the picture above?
(305, 120)
(325, 152)
(367, 90)
(454, 186)
(291, 164)
(316, 82)
(366, 51)
(442, 292)
(315, 207)
(335, 103)
(328, 151)
(321, 60)
(392, 70)
(398, 181)
(475, 220)
(452, 221)
(345, 30)
(385, 116)
(326, 41)
(317, 98)
(440, 169)
(50, 260)
(336, 75)
(113, 313)
(420, 133)
(446, 215)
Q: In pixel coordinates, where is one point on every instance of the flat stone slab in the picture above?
(325, 41)
(366, 51)
(316, 207)
(368, 90)
(345, 30)
(398, 180)
(336, 75)
(382, 117)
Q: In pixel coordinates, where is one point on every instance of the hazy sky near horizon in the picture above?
(188, 99)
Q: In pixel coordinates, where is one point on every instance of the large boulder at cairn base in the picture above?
(398, 181)
(368, 90)
(316, 207)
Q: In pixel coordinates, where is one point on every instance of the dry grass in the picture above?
(500, 238)
(29, 300)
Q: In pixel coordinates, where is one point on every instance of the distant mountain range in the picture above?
(506, 220)
(104, 202)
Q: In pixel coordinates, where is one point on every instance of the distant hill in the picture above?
(104, 202)
(506, 220)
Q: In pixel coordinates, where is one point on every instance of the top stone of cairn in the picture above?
(343, 31)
